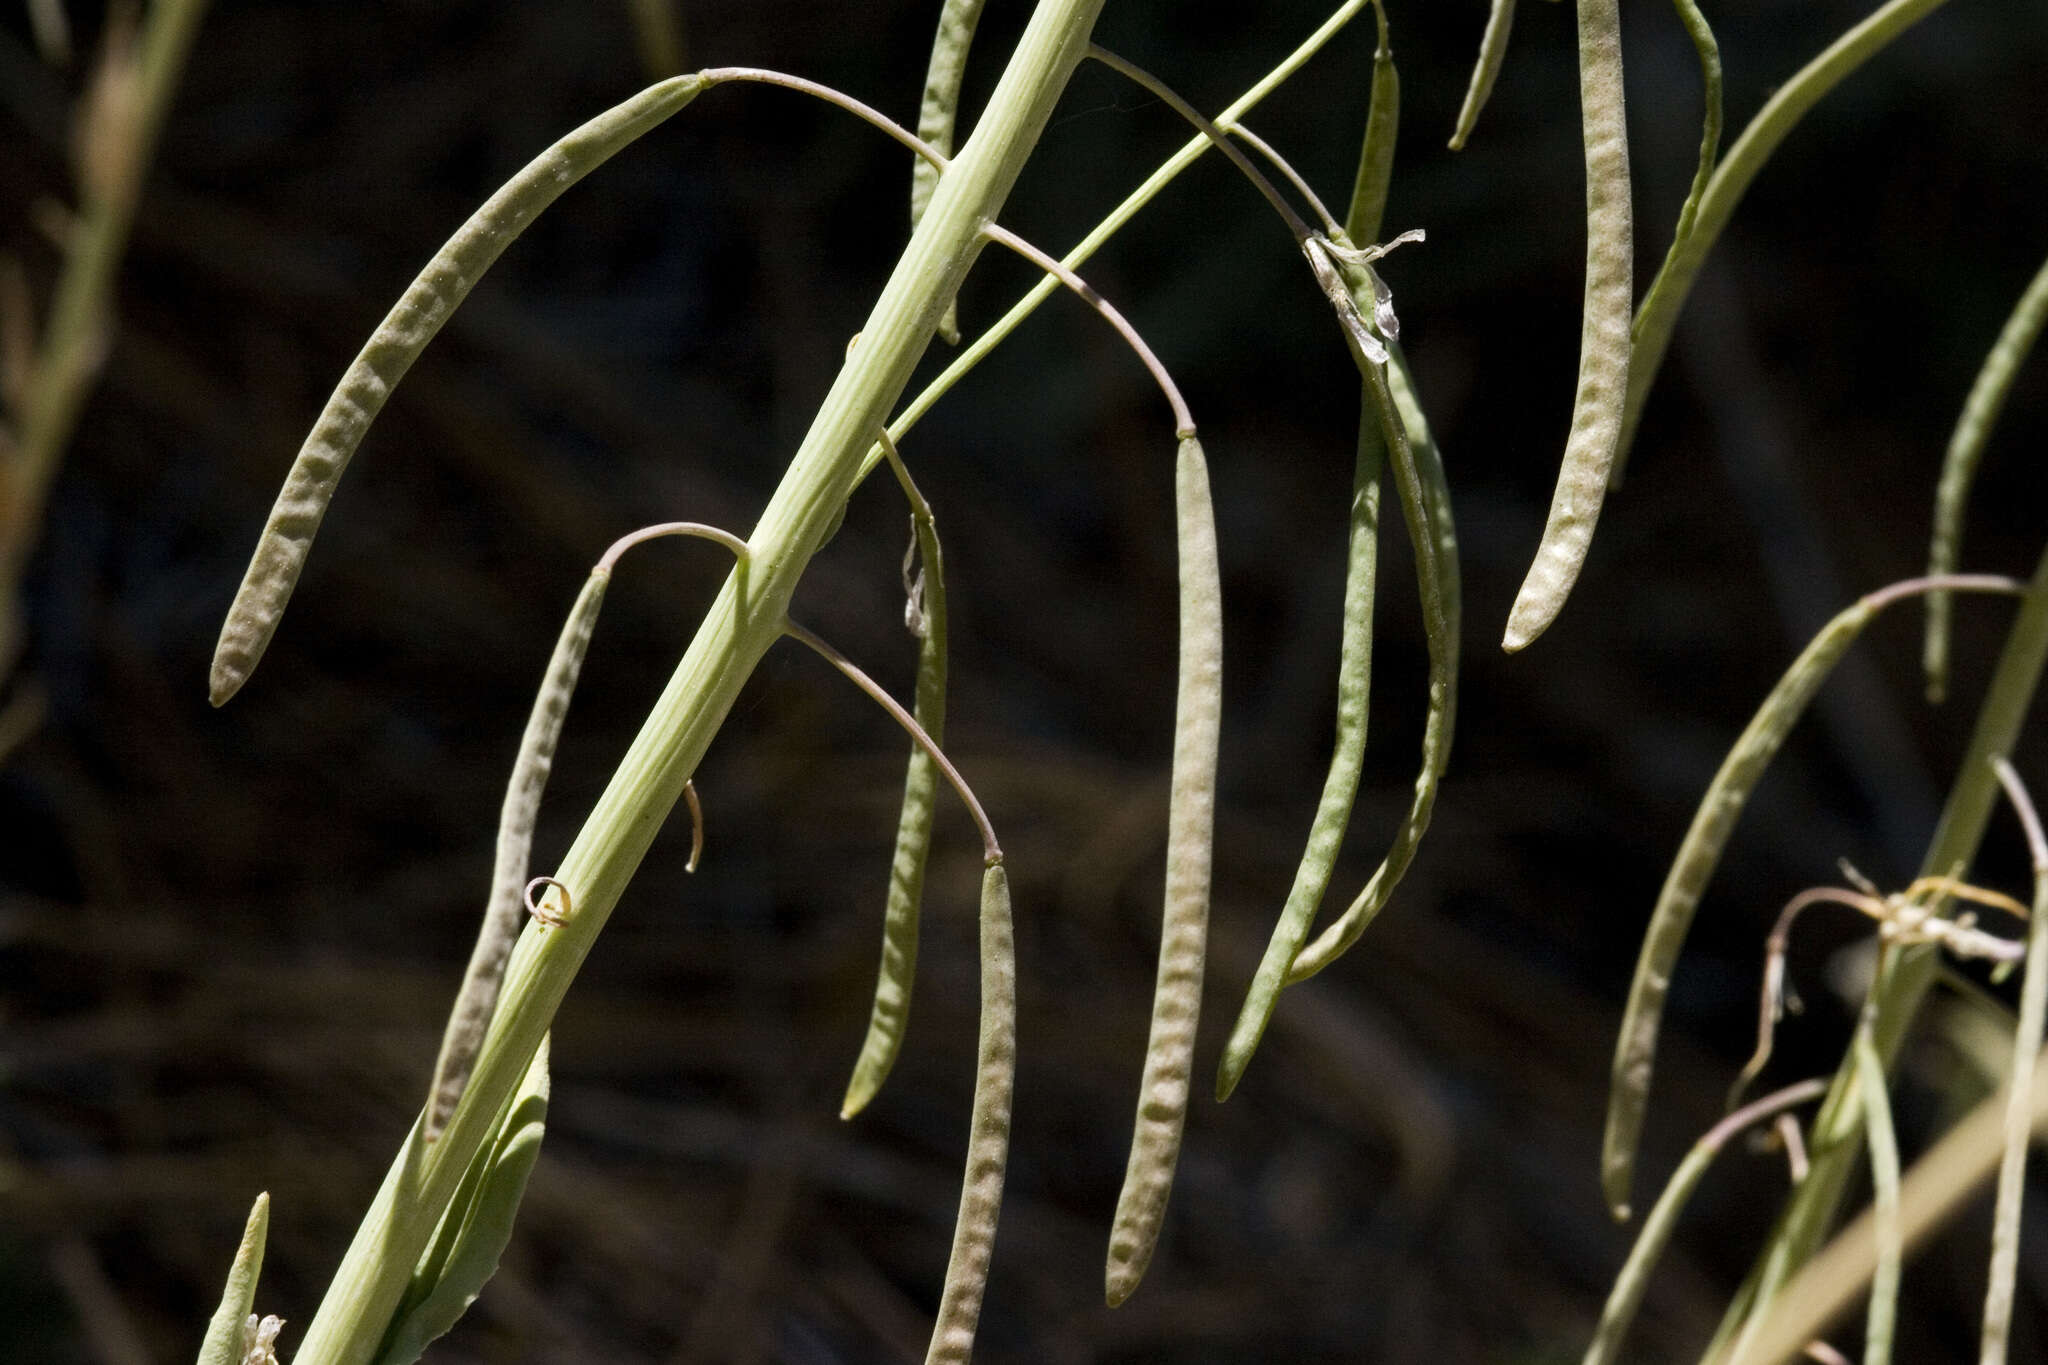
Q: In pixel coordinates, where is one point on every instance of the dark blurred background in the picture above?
(228, 939)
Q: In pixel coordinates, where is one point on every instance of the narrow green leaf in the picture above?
(478, 1225)
(223, 1342)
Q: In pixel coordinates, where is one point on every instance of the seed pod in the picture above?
(412, 322)
(1493, 50)
(1959, 466)
(1604, 339)
(937, 114)
(988, 1137)
(1376, 152)
(1184, 929)
(1347, 762)
(478, 996)
(1884, 1182)
(890, 1015)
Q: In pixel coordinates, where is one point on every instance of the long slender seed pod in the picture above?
(477, 998)
(1604, 341)
(938, 113)
(412, 322)
(1661, 306)
(1959, 467)
(1426, 507)
(1635, 1051)
(1493, 50)
(2019, 1109)
(222, 1344)
(988, 1137)
(890, 1014)
(1884, 1180)
(1376, 151)
(1347, 762)
(1184, 926)
(1709, 50)
(1627, 1294)
(476, 1229)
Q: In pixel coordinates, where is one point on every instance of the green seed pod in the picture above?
(988, 1136)
(1184, 929)
(412, 322)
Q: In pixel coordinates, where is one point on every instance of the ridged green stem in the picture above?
(745, 620)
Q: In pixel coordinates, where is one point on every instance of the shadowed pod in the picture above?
(1493, 50)
(1959, 465)
(419, 315)
(937, 114)
(1712, 825)
(925, 614)
(477, 997)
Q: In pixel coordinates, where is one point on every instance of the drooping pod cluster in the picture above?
(1700, 853)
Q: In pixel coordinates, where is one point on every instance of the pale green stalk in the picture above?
(1837, 1130)
(1884, 1180)
(741, 625)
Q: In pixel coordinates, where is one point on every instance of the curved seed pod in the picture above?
(891, 1012)
(1884, 1181)
(1603, 338)
(2019, 1107)
(1780, 115)
(1426, 507)
(478, 996)
(412, 322)
(1376, 152)
(222, 1344)
(1636, 1049)
(1184, 927)
(937, 114)
(1959, 467)
(477, 1226)
(1709, 50)
(1627, 1295)
(1347, 762)
(1493, 50)
(988, 1138)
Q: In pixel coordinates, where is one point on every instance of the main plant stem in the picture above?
(740, 627)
